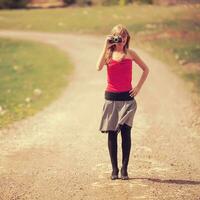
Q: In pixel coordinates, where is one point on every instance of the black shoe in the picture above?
(124, 174)
(114, 175)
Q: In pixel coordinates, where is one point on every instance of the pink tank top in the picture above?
(119, 75)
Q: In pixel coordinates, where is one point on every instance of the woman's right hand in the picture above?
(107, 43)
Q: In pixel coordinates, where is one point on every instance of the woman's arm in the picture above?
(143, 66)
(101, 60)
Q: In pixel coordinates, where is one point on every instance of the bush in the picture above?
(144, 1)
(124, 2)
(13, 3)
(84, 2)
(69, 2)
(78, 2)
(110, 2)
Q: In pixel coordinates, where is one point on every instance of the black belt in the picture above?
(118, 96)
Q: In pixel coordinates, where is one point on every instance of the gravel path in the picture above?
(59, 154)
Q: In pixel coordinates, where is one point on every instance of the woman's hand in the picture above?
(134, 91)
(107, 43)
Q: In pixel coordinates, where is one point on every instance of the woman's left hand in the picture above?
(134, 91)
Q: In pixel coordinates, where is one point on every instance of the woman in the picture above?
(120, 105)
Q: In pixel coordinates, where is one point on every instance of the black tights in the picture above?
(126, 147)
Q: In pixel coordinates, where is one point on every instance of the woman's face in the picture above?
(124, 39)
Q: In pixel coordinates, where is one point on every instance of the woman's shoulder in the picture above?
(128, 54)
(132, 54)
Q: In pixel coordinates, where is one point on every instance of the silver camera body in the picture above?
(115, 39)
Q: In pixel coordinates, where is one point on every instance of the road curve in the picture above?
(60, 154)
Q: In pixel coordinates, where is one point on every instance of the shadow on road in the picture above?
(171, 181)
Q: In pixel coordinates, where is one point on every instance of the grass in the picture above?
(90, 19)
(26, 67)
(178, 53)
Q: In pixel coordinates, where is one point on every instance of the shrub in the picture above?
(124, 2)
(69, 2)
(13, 3)
(109, 2)
(84, 2)
(78, 2)
(144, 1)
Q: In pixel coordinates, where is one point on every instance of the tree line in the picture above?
(14, 4)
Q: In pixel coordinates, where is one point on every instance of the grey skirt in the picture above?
(117, 113)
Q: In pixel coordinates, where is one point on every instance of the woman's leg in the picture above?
(112, 146)
(126, 147)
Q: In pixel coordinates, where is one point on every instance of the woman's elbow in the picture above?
(146, 70)
(98, 68)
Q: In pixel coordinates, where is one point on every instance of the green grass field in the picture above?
(182, 57)
(32, 75)
(99, 19)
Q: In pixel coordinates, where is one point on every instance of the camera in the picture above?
(115, 39)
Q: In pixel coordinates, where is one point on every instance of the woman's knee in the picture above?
(112, 135)
(126, 129)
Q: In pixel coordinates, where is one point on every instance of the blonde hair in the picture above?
(119, 29)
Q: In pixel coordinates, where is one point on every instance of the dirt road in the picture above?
(59, 154)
